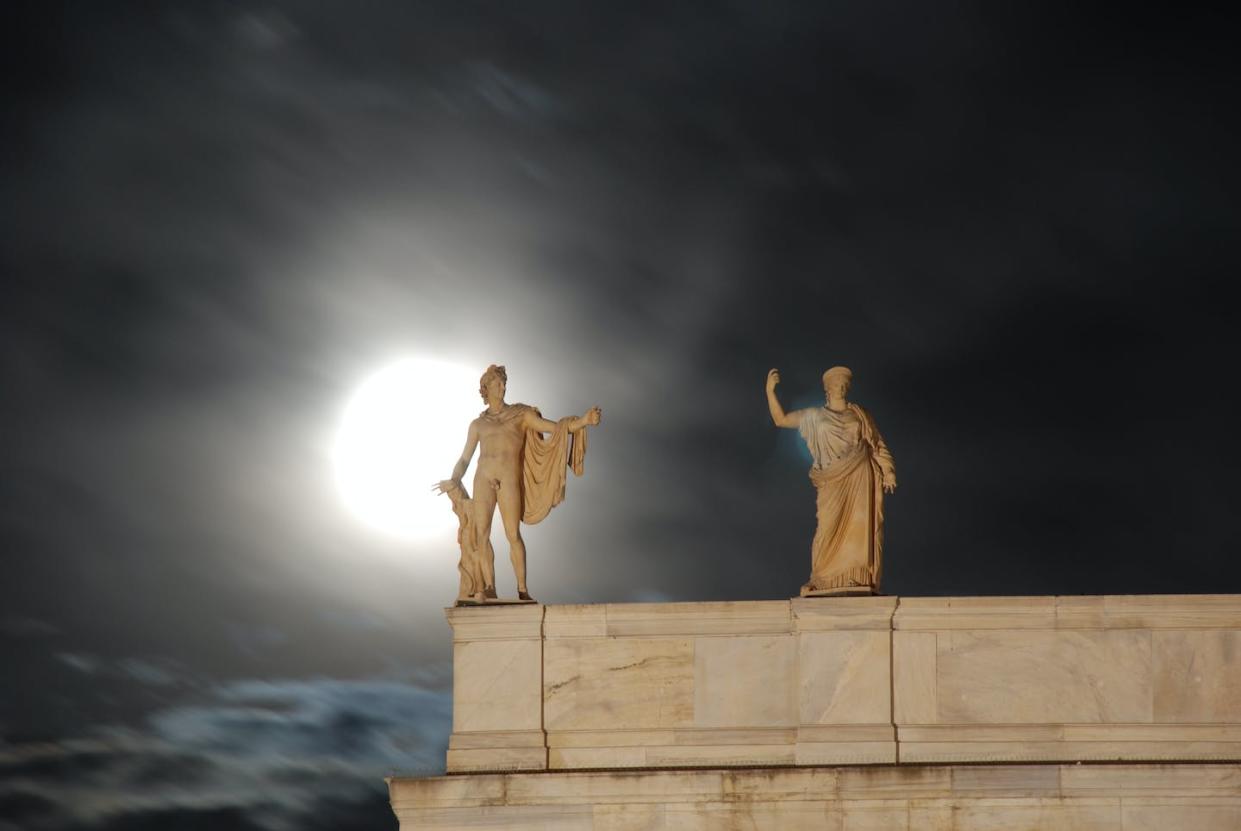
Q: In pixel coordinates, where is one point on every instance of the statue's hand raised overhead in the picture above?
(773, 378)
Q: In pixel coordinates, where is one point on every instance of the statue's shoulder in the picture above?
(510, 413)
(809, 415)
(522, 410)
(863, 414)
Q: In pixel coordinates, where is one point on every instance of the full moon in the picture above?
(402, 431)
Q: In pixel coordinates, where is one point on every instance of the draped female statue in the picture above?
(852, 470)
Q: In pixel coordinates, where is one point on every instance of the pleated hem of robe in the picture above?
(859, 577)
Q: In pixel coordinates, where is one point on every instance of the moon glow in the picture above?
(401, 432)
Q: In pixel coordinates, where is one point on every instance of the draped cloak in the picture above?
(849, 462)
(544, 466)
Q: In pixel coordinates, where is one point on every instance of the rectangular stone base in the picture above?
(497, 750)
(1122, 797)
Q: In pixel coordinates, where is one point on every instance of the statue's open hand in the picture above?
(773, 378)
(593, 416)
(889, 485)
(445, 486)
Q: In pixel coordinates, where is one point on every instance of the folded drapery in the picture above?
(544, 465)
(850, 462)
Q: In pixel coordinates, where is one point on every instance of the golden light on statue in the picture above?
(400, 429)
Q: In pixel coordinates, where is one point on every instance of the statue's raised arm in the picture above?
(590, 418)
(778, 415)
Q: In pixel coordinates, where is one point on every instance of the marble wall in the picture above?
(829, 681)
(1121, 797)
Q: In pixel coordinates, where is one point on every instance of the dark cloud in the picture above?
(279, 754)
(1016, 225)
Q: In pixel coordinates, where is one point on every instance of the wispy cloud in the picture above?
(273, 752)
(88, 664)
(26, 627)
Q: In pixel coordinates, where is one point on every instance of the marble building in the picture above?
(1115, 712)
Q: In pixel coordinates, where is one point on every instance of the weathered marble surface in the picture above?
(844, 677)
(1036, 677)
(1123, 797)
(497, 712)
(1199, 677)
(603, 683)
(733, 681)
(847, 681)
(994, 679)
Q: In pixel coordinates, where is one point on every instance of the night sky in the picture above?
(1019, 227)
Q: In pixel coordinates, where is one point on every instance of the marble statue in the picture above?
(851, 472)
(520, 470)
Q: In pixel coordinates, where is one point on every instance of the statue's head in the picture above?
(494, 376)
(836, 381)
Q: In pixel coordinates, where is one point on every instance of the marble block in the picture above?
(1036, 677)
(745, 681)
(604, 683)
(718, 684)
(1197, 676)
(497, 692)
(844, 677)
(994, 679)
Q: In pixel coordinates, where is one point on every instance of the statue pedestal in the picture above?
(848, 591)
(497, 601)
(906, 712)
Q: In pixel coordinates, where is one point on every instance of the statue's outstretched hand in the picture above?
(445, 486)
(773, 378)
(593, 416)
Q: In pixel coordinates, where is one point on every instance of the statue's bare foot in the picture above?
(524, 596)
(490, 592)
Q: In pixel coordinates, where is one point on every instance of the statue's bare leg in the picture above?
(510, 514)
(484, 510)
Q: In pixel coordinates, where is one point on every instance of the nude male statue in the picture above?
(518, 469)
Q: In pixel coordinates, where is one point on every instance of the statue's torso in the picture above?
(500, 439)
(831, 435)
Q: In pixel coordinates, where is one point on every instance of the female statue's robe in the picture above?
(850, 460)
